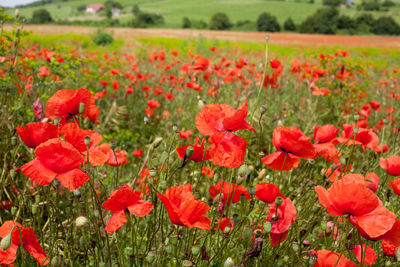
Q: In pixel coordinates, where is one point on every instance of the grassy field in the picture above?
(174, 10)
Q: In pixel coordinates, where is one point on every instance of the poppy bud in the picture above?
(267, 227)
(189, 152)
(37, 199)
(150, 257)
(187, 263)
(261, 174)
(173, 239)
(13, 141)
(56, 261)
(342, 160)
(156, 143)
(81, 221)
(168, 249)
(153, 172)
(146, 120)
(113, 145)
(56, 121)
(13, 211)
(96, 214)
(355, 130)
(77, 193)
(196, 250)
(251, 190)
(34, 208)
(246, 234)
(81, 107)
(5, 243)
(12, 173)
(227, 229)
(280, 123)
(323, 226)
(87, 141)
(278, 201)
(263, 109)
(229, 262)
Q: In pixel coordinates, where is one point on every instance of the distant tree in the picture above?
(332, 2)
(370, 5)
(220, 21)
(346, 22)
(366, 19)
(289, 25)
(199, 24)
(267, 23)
(144, 20)
(81, 8)
(186, 24)
(388, 3)
(41, 16)
(135, 10)
(324, 20)
(386, 26)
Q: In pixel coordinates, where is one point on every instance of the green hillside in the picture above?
(173, 11)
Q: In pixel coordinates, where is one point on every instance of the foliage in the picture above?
(220, 21)
(186, 24)
(332, 2)
(267, 23)
(322, 21)
(289, 25)
(102, 38)
(386, 26)
(41, 16)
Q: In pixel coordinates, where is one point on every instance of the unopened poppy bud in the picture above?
(34, 208)
(278, 201)
(168, 249)
(82, 242)
(13, 141)
(187, 263)
(81, 108)
(113, 145)
(229, 262)
(12, 173)
(56, 121)
(227, 229)
(267, 227)
(156, 143)
(13, 211)
(196, 250)
(96, 214)
(77, 193)
(150, 257)
(342, 161)
(37, 199)
(56, 261)
(355, 130)
(261, 174)
(173, 240)
(251, 190)
(356, 117)
(87, 141)
(153, 172)
(145, 119)
(5, 243)
(388, 263)
(243, 170)
(189, 152)
(323, 226)
(81, 221)
(246, 234)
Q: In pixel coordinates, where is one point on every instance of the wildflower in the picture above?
(391, 165)
(36, 133)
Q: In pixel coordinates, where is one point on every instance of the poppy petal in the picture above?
(281, 161)
(73, 179)
(39, 173)
(141, 208)
(116, 221)
(32, 245)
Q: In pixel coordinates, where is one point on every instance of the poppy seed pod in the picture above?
(81, 108)
(87, 141)
(267, 227)
(187, 263)
(5, 243)
(278, 201)
(14, 210)
(153, 172)
(34, 209)
(113, 145)
(13, 141)
(189, 152)
(196, 250)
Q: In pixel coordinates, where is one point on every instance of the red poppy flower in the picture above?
(371, 180)
(326, 133)
(365, 254)
(198, 151)
(56, 158)
(333, 173)
(120, 200)
(138, 153)
(153, 104)
(231, 192)
(395, 185)
(185, 134)
(364, 137)
(281, 218)
(36, 133)
(382, 148)
(389, 249)
(267, 192)
(76, 137)
(201, 63)
(327, 258)
(226, 149)
(328, 151)
(183, 209)
(205, 171)
(65, 103)
(44, 71)
(291, 144)
(348, 196)
(391, 165)
(112, 161)
(214, 118)
(29, 243)
(223, 223)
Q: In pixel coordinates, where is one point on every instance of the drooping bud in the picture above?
(5, 243)
(81, 221)
(81, 107)
(278, 201)
(14, 211)
(229, 262)
(87, 141)
(38, 109)
(189, 152)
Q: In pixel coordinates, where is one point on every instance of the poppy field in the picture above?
(163, 152)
